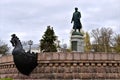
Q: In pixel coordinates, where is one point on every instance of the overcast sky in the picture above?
(28, 19)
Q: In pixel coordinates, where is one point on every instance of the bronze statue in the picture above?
(76, 19)
(24, 61)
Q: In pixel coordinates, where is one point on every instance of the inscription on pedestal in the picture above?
(74, 45)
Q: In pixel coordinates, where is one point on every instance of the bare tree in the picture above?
(116, 43)
(24, 43)
(102, 38)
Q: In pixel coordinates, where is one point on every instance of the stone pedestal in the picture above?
(77, 42)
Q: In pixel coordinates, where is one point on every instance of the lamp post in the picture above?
(30, 42)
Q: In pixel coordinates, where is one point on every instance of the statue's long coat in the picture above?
(76, 18)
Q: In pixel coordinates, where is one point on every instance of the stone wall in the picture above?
(82, 66)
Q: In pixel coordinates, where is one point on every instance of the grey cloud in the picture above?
(31, 17)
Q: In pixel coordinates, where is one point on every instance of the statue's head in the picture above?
(13, 35)
(15, 40)
(76, 9)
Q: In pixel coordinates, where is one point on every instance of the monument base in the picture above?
(77, 42)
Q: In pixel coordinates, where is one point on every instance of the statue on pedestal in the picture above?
(77, 39)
